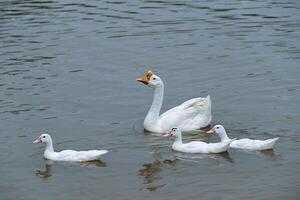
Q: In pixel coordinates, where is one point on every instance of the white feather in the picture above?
(197, 146)
(246, 143)
(190, 115)
(67, 155)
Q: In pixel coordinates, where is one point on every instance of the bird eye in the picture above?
(154, 78)
(218, 127)
(44, 136)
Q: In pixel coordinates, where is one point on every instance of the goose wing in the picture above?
(190, 115)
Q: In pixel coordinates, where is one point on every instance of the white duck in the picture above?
(246, 143)
(67, 155)
(196, 146)
(190, 115)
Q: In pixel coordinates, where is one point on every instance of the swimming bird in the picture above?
(248, 144)
(67, 155)
(190, 115)
(196, 146)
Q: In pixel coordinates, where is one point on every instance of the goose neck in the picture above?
(155, 108)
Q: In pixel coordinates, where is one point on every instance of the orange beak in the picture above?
(145, 79)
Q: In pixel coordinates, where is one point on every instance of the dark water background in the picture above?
(69, 67)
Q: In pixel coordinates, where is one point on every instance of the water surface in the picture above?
(68, 68)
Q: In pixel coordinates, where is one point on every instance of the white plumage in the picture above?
(190, 115)
(196, 146)
(248, 144)
(67, 155)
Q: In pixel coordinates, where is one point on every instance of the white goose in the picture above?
(67, 155)
(190, 115)
(196, 146)
(246, 143)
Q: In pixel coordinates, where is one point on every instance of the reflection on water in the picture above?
(269, 153)
(46, 170)
(152, 172)
(171, 162)
(225, 156)
(70, 67)
(96, 163)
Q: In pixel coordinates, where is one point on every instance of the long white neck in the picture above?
(223, 135)
(49, 146)
(153, 114)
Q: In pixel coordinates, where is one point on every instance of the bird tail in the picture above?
(208, 104)
(102, 152)
(272, 141)
(98, 153)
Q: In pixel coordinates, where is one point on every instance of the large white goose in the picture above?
(248, 144)
(190, 115)
(196, 146)
(67, 155)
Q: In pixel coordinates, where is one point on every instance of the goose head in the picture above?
(151, 80)
(175, 132)
(43, 138)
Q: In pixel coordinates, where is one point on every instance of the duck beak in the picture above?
(37, 141)
(145, 79)
(212, 130)
(167, 134)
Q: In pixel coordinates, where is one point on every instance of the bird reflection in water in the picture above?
(152, 172)
(94, 163)
(225, 156)
(269, 153)
(46, 172)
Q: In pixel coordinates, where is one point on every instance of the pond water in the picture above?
(69, 69)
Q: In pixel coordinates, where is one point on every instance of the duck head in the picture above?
(151, 80)
(43, 138)
(220, 130)
(176, 132)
